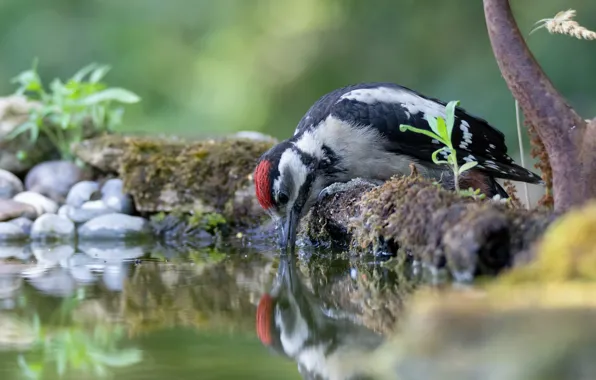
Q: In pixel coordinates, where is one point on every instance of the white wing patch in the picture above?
(412, 103)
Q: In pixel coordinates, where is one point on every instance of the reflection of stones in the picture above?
(17, 251)
(87, 211)
(24, 224)
(41, 203)
(48, 256)
(113, 196)
(10, 283)
(114, 276)
(82, 267)
(55, 282)
(10, 209)
(10, 184)
(112, 252)
(52, 226)
(43, 178)
(11, 232)
(81, 192)
(114, 226)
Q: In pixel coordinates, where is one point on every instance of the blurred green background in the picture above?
(205, 67)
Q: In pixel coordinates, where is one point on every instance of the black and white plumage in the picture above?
(325, 344)
(353, 132)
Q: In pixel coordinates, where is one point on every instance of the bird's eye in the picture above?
(283, 198)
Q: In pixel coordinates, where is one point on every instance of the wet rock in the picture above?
(113, 196)
(11, 232)
(87, 211)
(11, 209)
(19, 154)
(115, 226)
(51, 226)
(54, 178)
(24, 224)
(41, 203)
(200, 176)
(81, 192)
(63, 211)
(10, 184)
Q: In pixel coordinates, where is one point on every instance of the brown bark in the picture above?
(569, 141)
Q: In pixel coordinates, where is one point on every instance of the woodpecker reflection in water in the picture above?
(293, 322)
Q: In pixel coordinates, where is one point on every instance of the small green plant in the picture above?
(442, 131)
(68, 111)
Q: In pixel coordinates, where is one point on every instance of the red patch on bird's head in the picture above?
(263, 184)
(264, 319)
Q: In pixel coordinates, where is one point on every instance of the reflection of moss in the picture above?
(567, 250)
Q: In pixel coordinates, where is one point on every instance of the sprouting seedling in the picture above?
(563, 23)
(442, 131)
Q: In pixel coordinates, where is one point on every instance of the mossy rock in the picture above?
(207, 176)
(566, 252)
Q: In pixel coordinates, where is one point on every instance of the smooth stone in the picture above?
(10, 184)
(114, 226)
(54, 178)
(11, 209)
(113, 196)
(11, 232)
(24, 224)
(42, 204)
(87, 211)
(63, 211)
(81, 192)
(52, 226)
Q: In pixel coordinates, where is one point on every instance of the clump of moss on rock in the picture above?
(419, 218)
(198, 177)
(566, 252)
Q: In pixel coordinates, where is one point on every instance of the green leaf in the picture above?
(99, 73)
(450, 109)
(443, 129)
(435, 157)
(405, 128)
(24, 127)
(432, 122)
(79, 75)
(467, 166)
(117, 94)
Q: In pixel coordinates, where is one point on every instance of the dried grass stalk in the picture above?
(563, 23)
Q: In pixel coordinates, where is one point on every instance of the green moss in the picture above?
(567, 251)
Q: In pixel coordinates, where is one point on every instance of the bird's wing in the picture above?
(386, 106)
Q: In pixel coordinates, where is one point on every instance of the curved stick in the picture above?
(568, 142)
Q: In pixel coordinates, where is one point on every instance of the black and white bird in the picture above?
(353, 132)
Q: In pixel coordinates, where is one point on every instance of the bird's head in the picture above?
(287, 183)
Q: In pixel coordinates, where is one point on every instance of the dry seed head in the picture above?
(563, 23)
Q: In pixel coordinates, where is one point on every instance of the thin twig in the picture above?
(521, 152)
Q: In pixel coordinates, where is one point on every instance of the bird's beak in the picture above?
(288, 231)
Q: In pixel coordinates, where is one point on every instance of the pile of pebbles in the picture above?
(57, 202)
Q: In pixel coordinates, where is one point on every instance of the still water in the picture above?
(239, 312)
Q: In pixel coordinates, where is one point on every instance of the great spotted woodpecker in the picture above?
(292, 321)
(353, 132)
